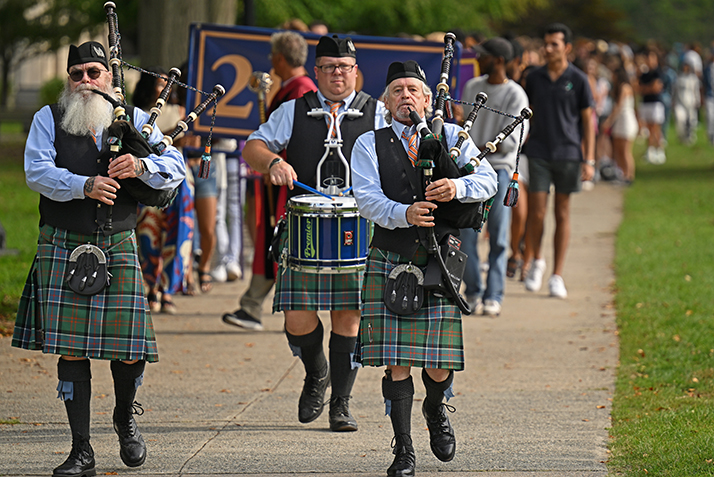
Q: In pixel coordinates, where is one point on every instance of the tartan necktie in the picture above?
(412, 149)
(334, 107)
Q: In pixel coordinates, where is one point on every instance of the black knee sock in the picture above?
(125, 385)
(401, 394)
(79, 374)
(341, 372)
(435, 391)
(311, 352)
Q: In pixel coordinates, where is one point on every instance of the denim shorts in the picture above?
(205, 187)
(565, 175)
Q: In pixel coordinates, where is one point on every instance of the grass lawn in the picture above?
(20, 218)
(663, 409)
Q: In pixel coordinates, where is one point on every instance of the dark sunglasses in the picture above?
(77, 75)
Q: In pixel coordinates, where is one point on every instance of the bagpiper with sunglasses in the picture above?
(84, 296)
(301, 294)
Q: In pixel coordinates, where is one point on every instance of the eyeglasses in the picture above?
(77, 75)
(329, 69)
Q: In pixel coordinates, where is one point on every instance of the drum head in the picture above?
(315, 203)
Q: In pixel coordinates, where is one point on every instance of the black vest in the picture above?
(79, 155)
(307, 143)
(404, 183)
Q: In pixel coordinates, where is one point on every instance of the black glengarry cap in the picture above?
(408, 69)
(335, 47)
(88, 52)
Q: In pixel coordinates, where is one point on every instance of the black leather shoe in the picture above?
(312, 398)
(132, 448)
(80, 462)
(341, 419)
(404, 464)
(441, 434)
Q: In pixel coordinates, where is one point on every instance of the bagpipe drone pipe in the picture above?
(123, 137)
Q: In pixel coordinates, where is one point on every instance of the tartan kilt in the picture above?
(296, 290)
(114, 324)
(430, 338)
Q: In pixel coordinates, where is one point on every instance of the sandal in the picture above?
(205, 280)
(512, 266)
(189, 289)
(153, 300)
(168, 307)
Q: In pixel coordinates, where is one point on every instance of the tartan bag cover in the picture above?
(114, 324)
(430, 338)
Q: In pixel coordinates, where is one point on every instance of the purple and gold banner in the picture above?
(230, 55)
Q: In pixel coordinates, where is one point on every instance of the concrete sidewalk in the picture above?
(534, 399)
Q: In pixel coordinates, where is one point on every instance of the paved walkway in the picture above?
(534, 399)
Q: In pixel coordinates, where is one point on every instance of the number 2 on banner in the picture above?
(243, 70)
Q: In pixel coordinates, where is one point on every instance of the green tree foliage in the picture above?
(391, 17)
(668, 21)
(592, 19)
(29, 27)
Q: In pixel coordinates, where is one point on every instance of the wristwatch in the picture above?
(590, 163)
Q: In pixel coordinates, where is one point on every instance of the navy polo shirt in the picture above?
(556, 126)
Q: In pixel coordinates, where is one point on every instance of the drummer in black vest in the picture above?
(67, 162)
(390, 191)
(300, 295)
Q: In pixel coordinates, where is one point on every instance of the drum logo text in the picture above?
(309, 245)
(349, 238)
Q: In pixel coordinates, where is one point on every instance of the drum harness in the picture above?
(333, 141)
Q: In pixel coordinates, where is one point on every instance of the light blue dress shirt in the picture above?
(164, 172)
(367, 188)
(276, 132)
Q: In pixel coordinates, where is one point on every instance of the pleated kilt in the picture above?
(316, 291)
(430, 338)
(114, 324)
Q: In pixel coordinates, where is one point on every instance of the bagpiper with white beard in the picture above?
(84, 296)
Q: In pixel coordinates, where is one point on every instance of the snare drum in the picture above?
(326, 236)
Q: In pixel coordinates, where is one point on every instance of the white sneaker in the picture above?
(219, 274)
(233, 271)
(661, 156)
(475, 304)
(557, 287)
(491, 307)
(534, 279)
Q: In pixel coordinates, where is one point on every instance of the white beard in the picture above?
(84, 111)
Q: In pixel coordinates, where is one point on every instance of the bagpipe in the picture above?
(446, 264)
(123, 138)
(438, 163)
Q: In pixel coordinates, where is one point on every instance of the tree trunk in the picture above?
(164, 27)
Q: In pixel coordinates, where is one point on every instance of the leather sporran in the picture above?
(404, 291)
(87, 273)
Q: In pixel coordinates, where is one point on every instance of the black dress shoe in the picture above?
(80, 462)
(341, 419)
(441, 434)
(312, 398)
(404, 464)
(132, 448)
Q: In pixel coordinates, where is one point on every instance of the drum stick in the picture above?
(310, 189)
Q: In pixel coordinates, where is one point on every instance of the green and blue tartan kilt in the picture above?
(296, 290)
(430, 338)
(114, 324)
